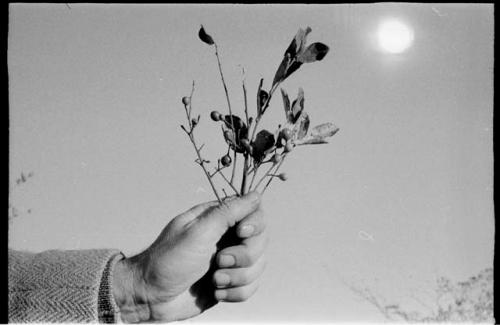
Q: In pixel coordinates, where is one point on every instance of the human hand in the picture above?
(207, 254)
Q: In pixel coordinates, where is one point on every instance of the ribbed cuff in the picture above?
(108, 311)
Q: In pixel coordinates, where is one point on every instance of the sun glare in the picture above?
(394, 36)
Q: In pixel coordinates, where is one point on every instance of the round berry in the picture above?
(225, 161)
(283, 177)
(215, 116)
(186, 100)
(276, 158)
(286, 134)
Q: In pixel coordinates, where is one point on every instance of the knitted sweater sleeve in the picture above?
(62, 286)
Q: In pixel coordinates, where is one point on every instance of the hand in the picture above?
(207, 254)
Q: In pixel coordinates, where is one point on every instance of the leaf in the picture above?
(286, 105)
(324, 130)
(240, 129)
(298, 42)
(263, 96)
(281, 72)
(319, 134)
(205, 37)
(310, 140)
(298, 105)
(259, 104)
(314, 52)
(289, 64)
(233, 121)
(293, 67)
(264, 140)
(301, 126)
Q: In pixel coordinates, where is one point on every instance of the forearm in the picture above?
(60, 286)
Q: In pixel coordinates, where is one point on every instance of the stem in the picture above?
(234, 166)
(264, 176)
(191, 137)
(244, 180)
(264, 108)
(219, 171)
(225, 87)
(277, 168)
(245, 97)
(255, 169)
(201, 163)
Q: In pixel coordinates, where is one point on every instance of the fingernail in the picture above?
(226, 260)
(222, 279)
(220, 294)
(246, 231)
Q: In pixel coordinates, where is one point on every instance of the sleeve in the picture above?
(62, 286)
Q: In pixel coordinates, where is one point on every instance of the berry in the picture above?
(286, 134)
(276, 158)
(282, 177)
(215, 116)
(186, 100)
(226, 161)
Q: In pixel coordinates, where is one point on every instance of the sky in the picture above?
(403, 193)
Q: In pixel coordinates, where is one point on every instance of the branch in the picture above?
(190, 134)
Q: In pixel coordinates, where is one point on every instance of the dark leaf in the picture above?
(286, 105)
(281, 72)
(263, 142)
(263, 96)
(301, 126)
(240, 130)
(293, 67)
(259, 104)
(298, 105)
(314, 52)
(205, 37)
(233, 121)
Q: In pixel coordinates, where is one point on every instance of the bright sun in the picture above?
(394, 36)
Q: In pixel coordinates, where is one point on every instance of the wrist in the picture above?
(129, 292)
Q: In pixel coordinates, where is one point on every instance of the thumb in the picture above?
(233, 210)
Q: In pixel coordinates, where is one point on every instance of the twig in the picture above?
(244, 179)
(264, 176)
(255, 169)
(225, 88)
(219, 171)
(235, 157)
(264, 108)
(245, 98)
(271, 179)
(190, 134)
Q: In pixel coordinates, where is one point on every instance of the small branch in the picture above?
(277, 168)
(263, 177)
(219, 171)
(190, 134)
(255, 169)
(225, 87)
(235, 157)
(245, 97)
(264, 108)
(244, 179)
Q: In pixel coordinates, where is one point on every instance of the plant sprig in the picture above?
(243, 136)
